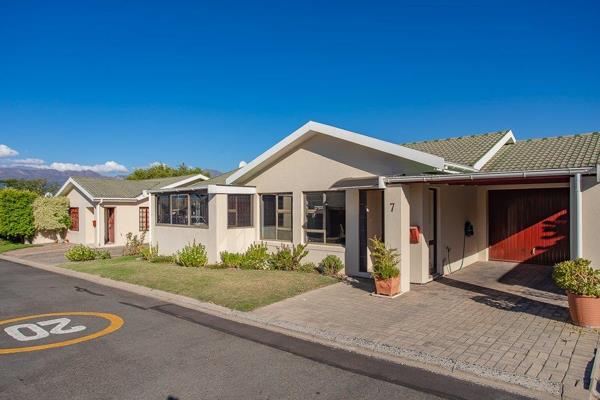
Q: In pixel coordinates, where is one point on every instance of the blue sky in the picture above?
(215, 83)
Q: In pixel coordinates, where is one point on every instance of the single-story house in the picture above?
(444, 204)
(104, 210)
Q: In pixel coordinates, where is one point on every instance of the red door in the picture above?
(529, 225)
(110, 225)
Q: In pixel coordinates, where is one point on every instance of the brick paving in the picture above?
(501, 316)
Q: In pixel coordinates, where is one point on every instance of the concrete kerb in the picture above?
(515, 383)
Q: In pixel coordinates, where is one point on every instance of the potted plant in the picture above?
(582, 284)
(385, 268)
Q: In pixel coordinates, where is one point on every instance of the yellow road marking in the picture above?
(115, 323)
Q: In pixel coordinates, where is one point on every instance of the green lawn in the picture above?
(242, 290)
(8, 246)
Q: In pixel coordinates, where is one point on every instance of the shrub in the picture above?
(80, 252)
(385, 260)
(577, 277)
(16, 214)
(192, 255)
(149, 252)
(162, 260)
(102, 255)
(134, 245)
(331, 265)
(218, 266)
(231, 260)
(308, 267)
(51, 214)
(288, 258)
(256, 257)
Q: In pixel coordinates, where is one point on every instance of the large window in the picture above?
(199, 209)
(182, 209)
(325, 217)
(239, 210)
(143, 219)
(276, 218)
(74, 216)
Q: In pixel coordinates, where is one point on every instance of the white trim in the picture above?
(72, 181)
(216, 189)
(509, 137)
(576, 217)
(186, 181)
(461, 167)
(311, 128)
(477, 176)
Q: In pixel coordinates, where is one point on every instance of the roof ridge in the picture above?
(568, 135)
(503, 131)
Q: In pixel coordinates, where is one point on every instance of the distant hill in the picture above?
(51, 175)
(213, 172)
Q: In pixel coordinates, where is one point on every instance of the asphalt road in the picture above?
(163, 351)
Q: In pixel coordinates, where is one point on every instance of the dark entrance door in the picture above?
(529, 225)
(433, 220)
(370, 223)
(109, 235)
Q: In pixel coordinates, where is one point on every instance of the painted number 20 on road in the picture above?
(36, 331)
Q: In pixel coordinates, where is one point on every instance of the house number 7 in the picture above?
(392, 207)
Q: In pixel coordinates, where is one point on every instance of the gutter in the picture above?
(488, 175)
(193, 189)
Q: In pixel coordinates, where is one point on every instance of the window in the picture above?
(199, 209)
(325, 217)
(182, 209)
(179, 209)
(163, 209)
(143, 219)
(276, 217)
(74, 215)
(239, 210)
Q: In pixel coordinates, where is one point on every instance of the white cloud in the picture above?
(109, 166)
(6, 151)
(27, 162)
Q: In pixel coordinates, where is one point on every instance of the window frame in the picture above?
(277, 212)
(322, 231)
(74, 226)
(237, 226)
(144, 218)
(189, 224)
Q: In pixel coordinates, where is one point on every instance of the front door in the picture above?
(370, 224)
(529, 225)
(433, 230)
(109, 235)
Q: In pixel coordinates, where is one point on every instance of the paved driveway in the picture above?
(502, 318)
(53, 253)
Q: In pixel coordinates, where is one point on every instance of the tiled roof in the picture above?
(465, 150)
(217, 180)
(574, 151)
(123, 188)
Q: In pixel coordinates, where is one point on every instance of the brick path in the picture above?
(499, 316)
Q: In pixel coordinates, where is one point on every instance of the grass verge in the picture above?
(8, 246)
(242, 290)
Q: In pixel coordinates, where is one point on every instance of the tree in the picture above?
(165, 171)
(39, 186)
(51, 214)
(16, 214)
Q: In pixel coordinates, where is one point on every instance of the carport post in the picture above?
(576, 217)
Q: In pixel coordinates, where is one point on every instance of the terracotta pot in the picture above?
(387, 287)
(584, 310)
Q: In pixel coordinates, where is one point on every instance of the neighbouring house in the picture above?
(104, 210)
(444, 204)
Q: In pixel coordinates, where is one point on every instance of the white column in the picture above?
(397, 229)
(576, 211)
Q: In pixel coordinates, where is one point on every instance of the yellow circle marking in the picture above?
(115, 323)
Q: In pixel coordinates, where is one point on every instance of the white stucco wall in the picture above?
(591, 219)
(82, 236)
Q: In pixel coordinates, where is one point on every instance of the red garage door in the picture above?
(529, 225)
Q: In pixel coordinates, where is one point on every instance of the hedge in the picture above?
(16, 214)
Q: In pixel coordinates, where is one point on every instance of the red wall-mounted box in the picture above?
(415, 234)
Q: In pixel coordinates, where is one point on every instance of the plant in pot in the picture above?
(385, 268)
(582, 284)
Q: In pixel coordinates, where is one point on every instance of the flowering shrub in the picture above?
(577, 277)
(82, 252)
(192, 255)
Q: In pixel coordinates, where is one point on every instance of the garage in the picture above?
(529, 225)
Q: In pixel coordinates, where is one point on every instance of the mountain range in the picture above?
(50, 175)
